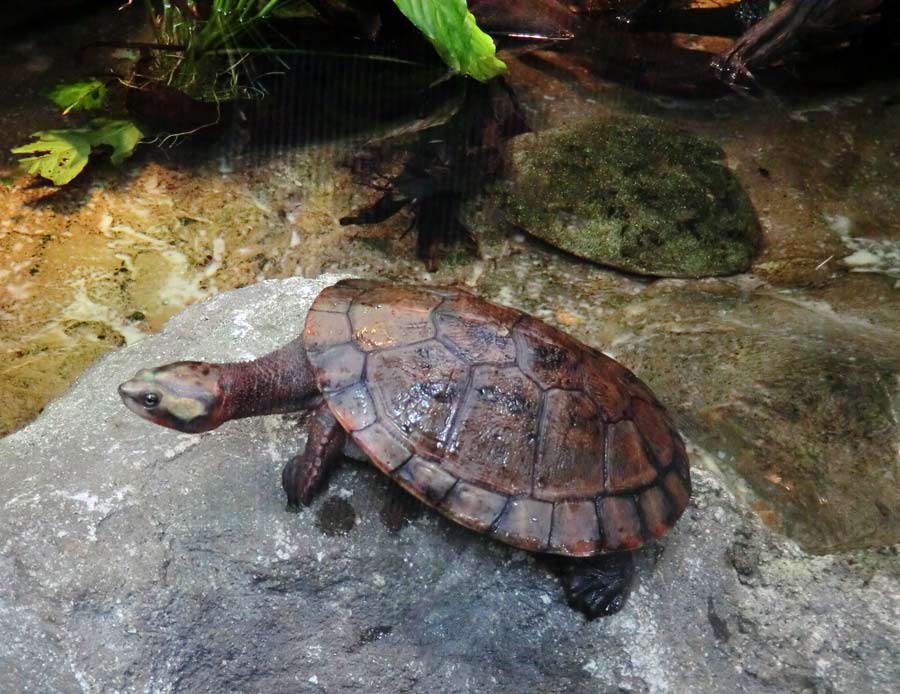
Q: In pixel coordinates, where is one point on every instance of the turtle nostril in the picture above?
(128, 390)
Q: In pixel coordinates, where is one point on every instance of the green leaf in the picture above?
(77, 96)
(120, 134)
(452, 30)
(60, 155)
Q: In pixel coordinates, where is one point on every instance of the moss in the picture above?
(634, 194)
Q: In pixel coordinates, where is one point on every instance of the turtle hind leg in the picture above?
(304, 474)
(597, 586)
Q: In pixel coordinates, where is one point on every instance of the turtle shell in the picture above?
(501, 422)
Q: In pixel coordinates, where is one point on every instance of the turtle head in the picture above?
(186, 396)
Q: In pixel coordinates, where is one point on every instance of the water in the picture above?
(787, 376)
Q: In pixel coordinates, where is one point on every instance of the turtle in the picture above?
(499, 421)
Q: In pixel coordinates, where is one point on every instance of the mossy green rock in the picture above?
(635, 194)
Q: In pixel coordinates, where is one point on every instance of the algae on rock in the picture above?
(634, 194)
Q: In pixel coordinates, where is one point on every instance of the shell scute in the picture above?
(388, 449)
(656, 509)
(473, 506)
(426, 479)
(620, 522)
(680, 461)
(570, 459)
(479, 331)
(337, 298)
(526, 523)
(325, 329)
(602, 379)
(340, 366)
(551, 358)
(576, 528)
(468, 307)
(627, 462)
(353, 407)
(419, 388)
(496, 431)
(678, 489)
(653, 426)
(386, 316)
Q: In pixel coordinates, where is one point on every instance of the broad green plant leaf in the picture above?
(79, 96)
(60, 155)
(120, 134)
(452, 30)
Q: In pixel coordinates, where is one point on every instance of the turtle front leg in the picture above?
(597, 586)
(303, 475)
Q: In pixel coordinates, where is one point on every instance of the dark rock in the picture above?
(719, 625)
(632, 193)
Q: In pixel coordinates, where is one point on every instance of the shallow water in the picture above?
(788, 376)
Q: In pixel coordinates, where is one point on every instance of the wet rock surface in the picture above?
(632, 193)
(139, 559)
(801, 401)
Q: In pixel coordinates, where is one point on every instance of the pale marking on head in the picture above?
(184, 409)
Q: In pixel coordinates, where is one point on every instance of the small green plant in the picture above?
(79, 96)
(202, 49)
(453, 32)
(210, 43)
(60, 155)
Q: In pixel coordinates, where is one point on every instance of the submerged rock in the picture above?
(802, 401)
(136, 558)
(632, 193)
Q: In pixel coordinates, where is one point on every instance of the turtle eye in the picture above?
(150, 400)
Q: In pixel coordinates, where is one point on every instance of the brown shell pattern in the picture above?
(503, 423)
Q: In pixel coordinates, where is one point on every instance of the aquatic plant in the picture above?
(453, 32)
(205, 45)
(60, 155)
(203, 50)
(79, 96)
(202, 45)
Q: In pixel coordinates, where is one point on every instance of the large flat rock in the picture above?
(139, 559)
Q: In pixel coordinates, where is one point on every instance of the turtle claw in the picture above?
(598, 587)
(300, 483)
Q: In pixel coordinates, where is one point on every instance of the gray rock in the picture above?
(139, 559)
(633, 193)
